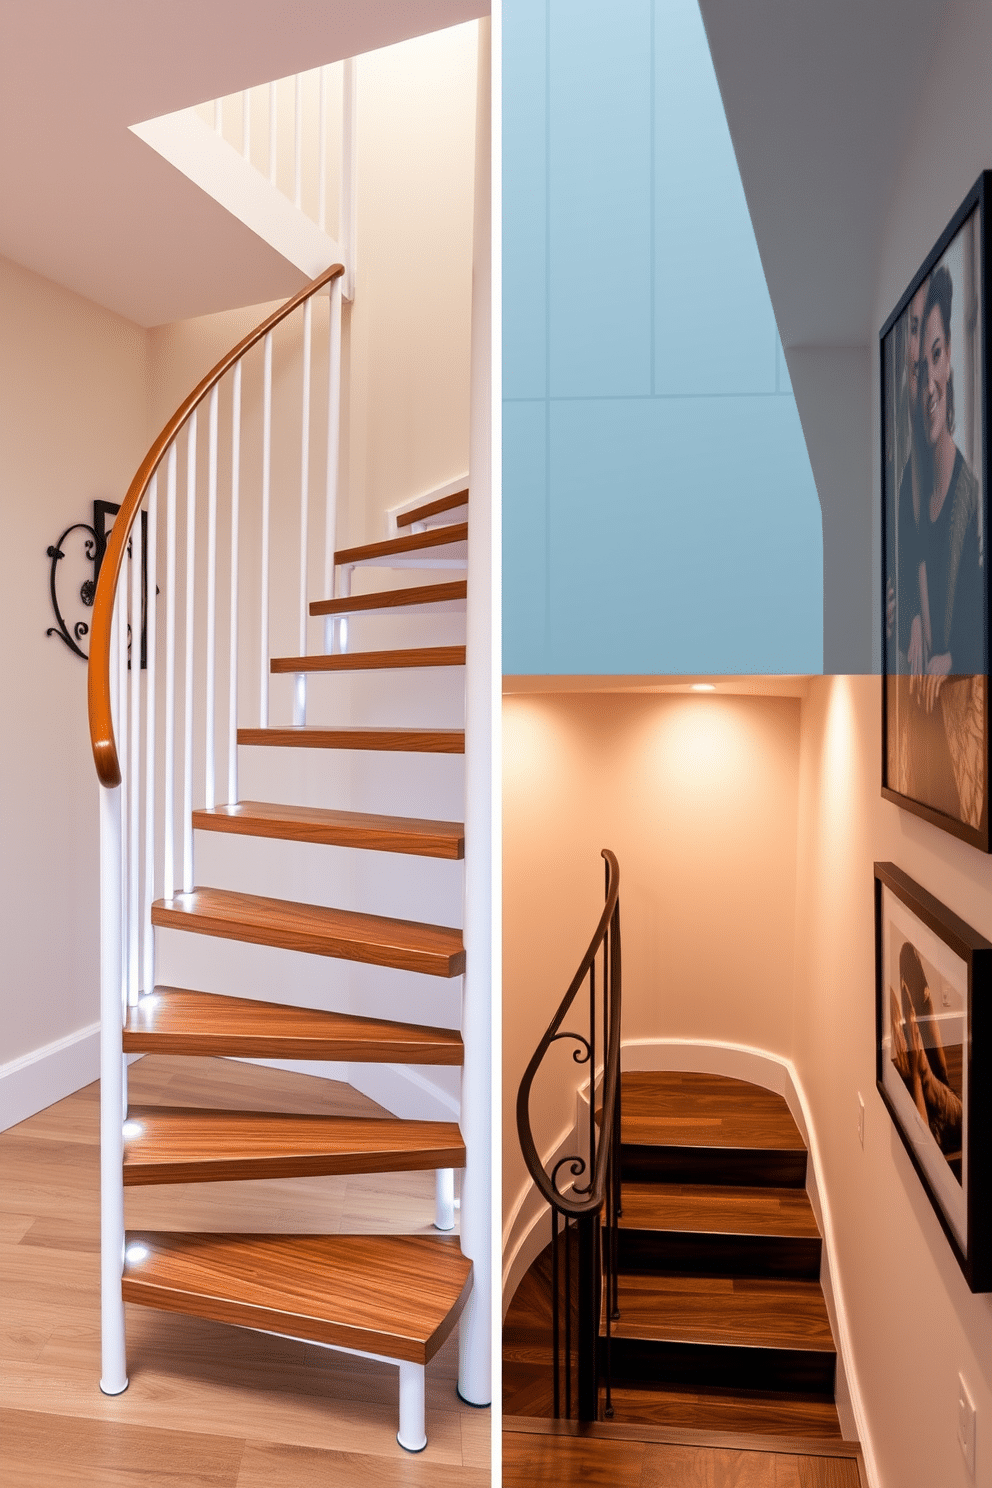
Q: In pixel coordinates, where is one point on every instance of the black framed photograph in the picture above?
(935, 566)
(933, 1020)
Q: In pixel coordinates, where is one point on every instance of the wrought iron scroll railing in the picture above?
(584, 1213)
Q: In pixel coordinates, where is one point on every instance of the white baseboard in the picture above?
(48, 1074)
(525, 1236)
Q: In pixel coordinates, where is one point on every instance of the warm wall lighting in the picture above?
(703, 687)
(135, 1253)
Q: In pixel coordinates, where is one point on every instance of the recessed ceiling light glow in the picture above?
(132, 1129)
(703, 687)
(135, 1253)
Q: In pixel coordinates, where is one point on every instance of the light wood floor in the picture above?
(208, 1406)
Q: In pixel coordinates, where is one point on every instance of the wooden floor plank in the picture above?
(271, 1465)
(40, 1449)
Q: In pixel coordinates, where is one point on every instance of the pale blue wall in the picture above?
(659, 512)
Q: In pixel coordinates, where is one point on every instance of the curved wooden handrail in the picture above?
(596, 1192)
(102, 740)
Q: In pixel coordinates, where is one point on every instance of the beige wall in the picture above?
(914, 1324)
(698, 797)
(73, 411)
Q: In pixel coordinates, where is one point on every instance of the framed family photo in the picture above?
(935, 389)
(933, 1021)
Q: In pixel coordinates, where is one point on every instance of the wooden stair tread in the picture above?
(432, 508)
(178, 1021)
(417, 835)
(367, 661)
(715, 1209)
(687, 1109)
(396, 1295)
(179, 1145)
(746, 1312)
(708, 1408)
(315, 736)
(413, 596)
(442, 539)
(374, 939)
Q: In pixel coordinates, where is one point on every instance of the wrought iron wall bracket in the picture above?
(94, 547)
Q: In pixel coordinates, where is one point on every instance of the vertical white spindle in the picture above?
(134, 783)
(209, 792)
(322, 153)
(298, 143)
(124, 755)
(169, 732)
(273, 136)
(349, 174)
(300, 691)
(263, 701)
(333, 450)
(219, 115)
(151, 576)
(246, 124)
(344, 592)
(113, 1364)
(232, 703)
(187, 805)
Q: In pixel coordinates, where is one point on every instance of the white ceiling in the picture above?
(820, 97)
(87, 204)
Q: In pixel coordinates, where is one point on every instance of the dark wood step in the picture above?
(176, 1145)
(407, 945)
(433, 508)
(776, 1413)
(396, 1295)
(416, 596)
(400, 834)
(175, 1020)
(740, 1332)
(369, 661)
(315, 736)
(691, 1128)
(438, 542)
(718, 1231)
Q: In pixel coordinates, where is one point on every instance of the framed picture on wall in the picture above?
(933, 1022)
(935, 388)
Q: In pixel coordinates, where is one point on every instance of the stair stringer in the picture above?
(525, 1234)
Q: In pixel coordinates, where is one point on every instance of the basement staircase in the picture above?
(722, 1324)
(393, 1297)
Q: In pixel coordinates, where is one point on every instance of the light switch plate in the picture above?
(966, 1425)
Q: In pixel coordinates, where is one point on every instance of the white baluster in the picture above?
(151, 575)
(300, 689)
(124, 755)
(322, 153)
(333, 450)
(187, 806)
(349, 174)
(232, 705)
(273, 134)
(263, 652)
(169, 732)
(113, 1365)
(209, 793)
(246, 124)
(344, 592)
(134, 782)
(298, 143)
